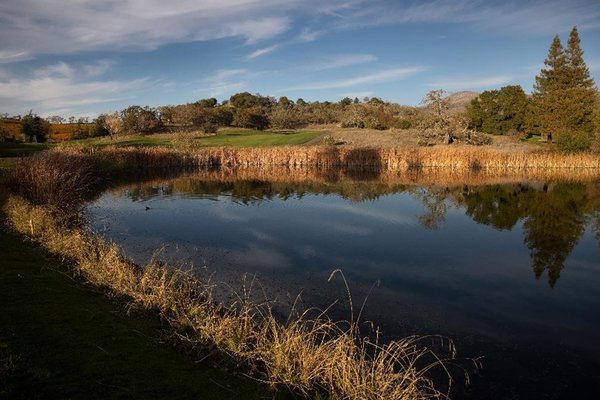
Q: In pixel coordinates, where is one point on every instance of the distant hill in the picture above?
(458, 101)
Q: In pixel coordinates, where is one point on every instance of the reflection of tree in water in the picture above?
(434, 201)
(554, 218)
(500, 206)
(555, 223)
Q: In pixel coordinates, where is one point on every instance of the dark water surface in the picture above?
(510, 271)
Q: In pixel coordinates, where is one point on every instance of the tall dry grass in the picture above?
(310, 353)
(381, 159)
(59, 180)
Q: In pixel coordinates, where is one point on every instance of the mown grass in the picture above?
(15, 149)
(59, 339)
(248, 138)
(224, 138)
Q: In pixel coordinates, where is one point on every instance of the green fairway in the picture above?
(225, 137)
(59, 339)
(249, 138)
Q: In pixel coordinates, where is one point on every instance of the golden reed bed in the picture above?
(436, 165)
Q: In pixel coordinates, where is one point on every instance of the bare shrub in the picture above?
(60, 180)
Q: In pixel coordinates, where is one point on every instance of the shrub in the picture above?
(371, 122)
(209, 127)
(574, 141)
(5, 133)
(403, 124)
(34, 127)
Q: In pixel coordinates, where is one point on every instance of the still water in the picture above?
(510, 271)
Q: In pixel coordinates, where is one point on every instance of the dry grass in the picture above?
(310, 353)
(54, 179)
(381, 159)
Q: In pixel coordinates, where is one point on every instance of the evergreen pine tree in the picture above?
(552, 77)
(564, 96)
(579, 74)
(580, 96)
(548, 92)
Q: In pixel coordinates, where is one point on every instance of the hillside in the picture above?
(458, 101)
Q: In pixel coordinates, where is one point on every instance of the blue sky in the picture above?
(86, 57)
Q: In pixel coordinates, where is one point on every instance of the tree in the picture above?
(136, 119)
(34, 127)
(498, 111)
(99, 128)
(564, 96)
(346, 101)
(207, 103)
(113, 123)
(55, 119)
(581, 90)
(438, 122)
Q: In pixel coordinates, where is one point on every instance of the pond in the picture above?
(509, 270)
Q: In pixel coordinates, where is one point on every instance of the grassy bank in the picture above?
(60, 339)
(308, 353)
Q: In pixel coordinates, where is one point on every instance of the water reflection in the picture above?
(454, 255)
(553, 215)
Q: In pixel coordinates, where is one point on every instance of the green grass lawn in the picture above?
(59, 339)
(10, 149)
(249, 138)
(225, 137)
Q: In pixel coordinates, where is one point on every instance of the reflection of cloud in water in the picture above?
(346, 229)
(369, 213)
(264, 236)
(307, 251)
(262, 257)
(229, 214)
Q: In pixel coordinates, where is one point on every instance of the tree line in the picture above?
(564, 108)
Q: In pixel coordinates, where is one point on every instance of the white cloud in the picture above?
(225, 81)
(455, 84)
(9, 56)
(63, 89)
(378, 77)
(510, 17)
(51, 26)
(343, 60)
(308, 35)
(262, 52)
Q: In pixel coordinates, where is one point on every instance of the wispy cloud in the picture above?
(309, 35)
(8, 56)
(50, 27)
(63, 88)
(342, 60)
(225, 81)
(454, 84)
(510, 17)
(262, 52)
(378, 77)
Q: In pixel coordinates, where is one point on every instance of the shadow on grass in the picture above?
(61, 339)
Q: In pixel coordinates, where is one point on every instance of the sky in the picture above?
(86, 57)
